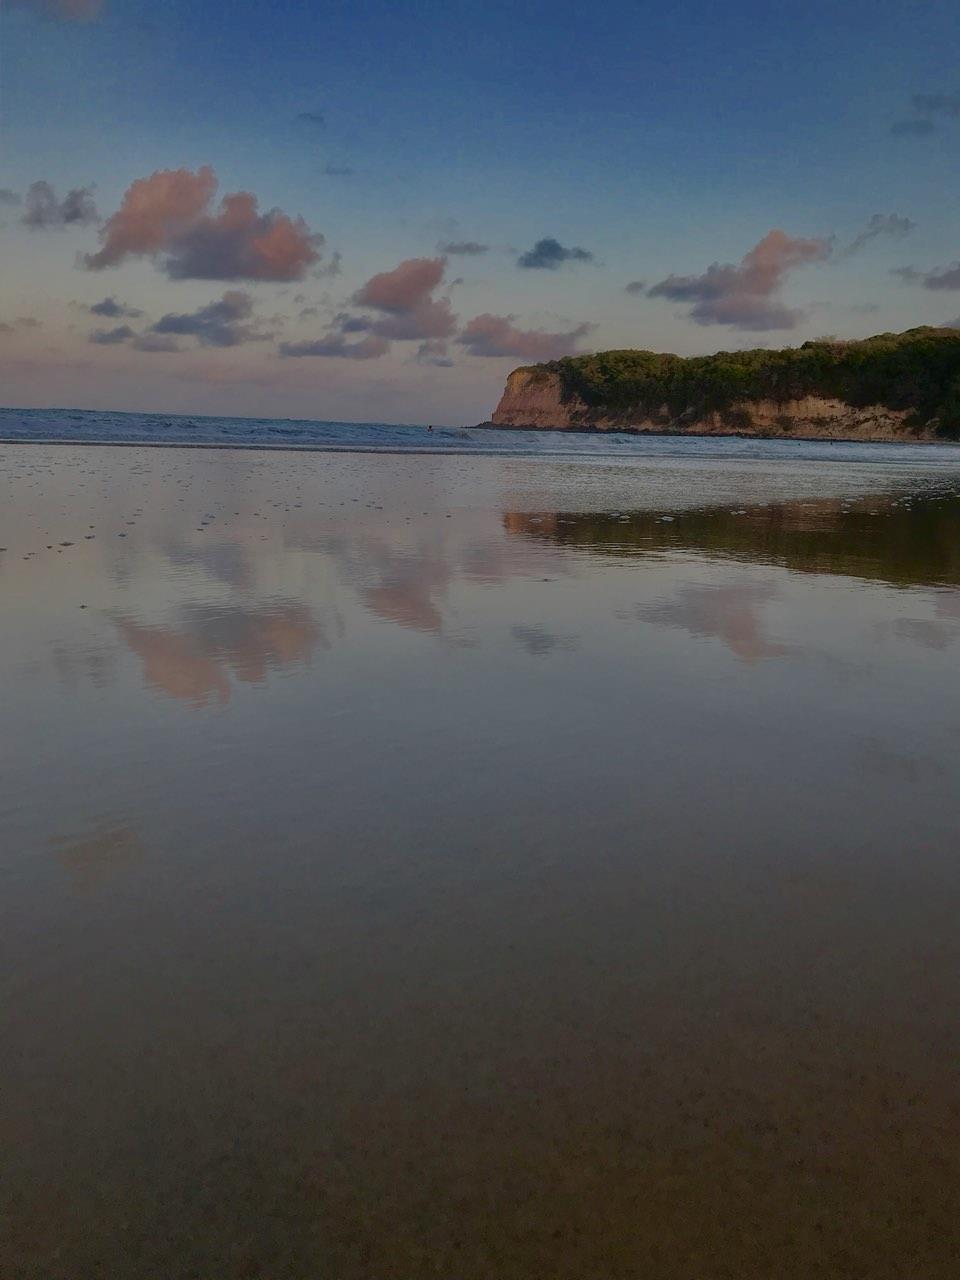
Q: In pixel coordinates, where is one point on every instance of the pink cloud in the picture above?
(404, 287)
(405, 297)
(431, 318)
(168, 216)
(746, 296)
(496, 336)
(154, 212)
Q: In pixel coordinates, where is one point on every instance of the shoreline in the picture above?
(459, 450)
(259, 447)
(643, 432)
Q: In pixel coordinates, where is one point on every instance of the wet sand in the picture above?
(477, 867)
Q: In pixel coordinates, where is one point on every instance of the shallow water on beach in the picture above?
(479, 866)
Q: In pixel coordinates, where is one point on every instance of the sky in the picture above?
(373, 211)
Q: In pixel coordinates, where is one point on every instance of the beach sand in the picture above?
(478, 868)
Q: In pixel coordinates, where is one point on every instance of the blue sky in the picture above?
(658, 140)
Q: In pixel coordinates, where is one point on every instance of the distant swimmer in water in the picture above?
(429, 428)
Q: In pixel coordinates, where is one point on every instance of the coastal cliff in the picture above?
(891, 387)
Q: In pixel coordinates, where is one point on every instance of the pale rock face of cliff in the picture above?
(533, 398)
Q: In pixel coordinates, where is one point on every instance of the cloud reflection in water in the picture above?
(730, 613)
(91, 860)
(194, 662)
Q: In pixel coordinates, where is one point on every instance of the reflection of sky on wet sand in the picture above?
(195, 660)
(92, 859)
(367, 815)
(538, 641)
(927, 632)
(728, 613)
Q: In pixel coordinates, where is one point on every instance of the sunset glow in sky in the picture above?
(374, 211)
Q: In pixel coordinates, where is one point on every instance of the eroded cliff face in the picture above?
(534, 398)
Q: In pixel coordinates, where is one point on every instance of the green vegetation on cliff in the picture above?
(917, 371)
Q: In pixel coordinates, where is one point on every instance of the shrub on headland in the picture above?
(917, 371)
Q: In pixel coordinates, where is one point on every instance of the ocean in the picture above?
(93, 426)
